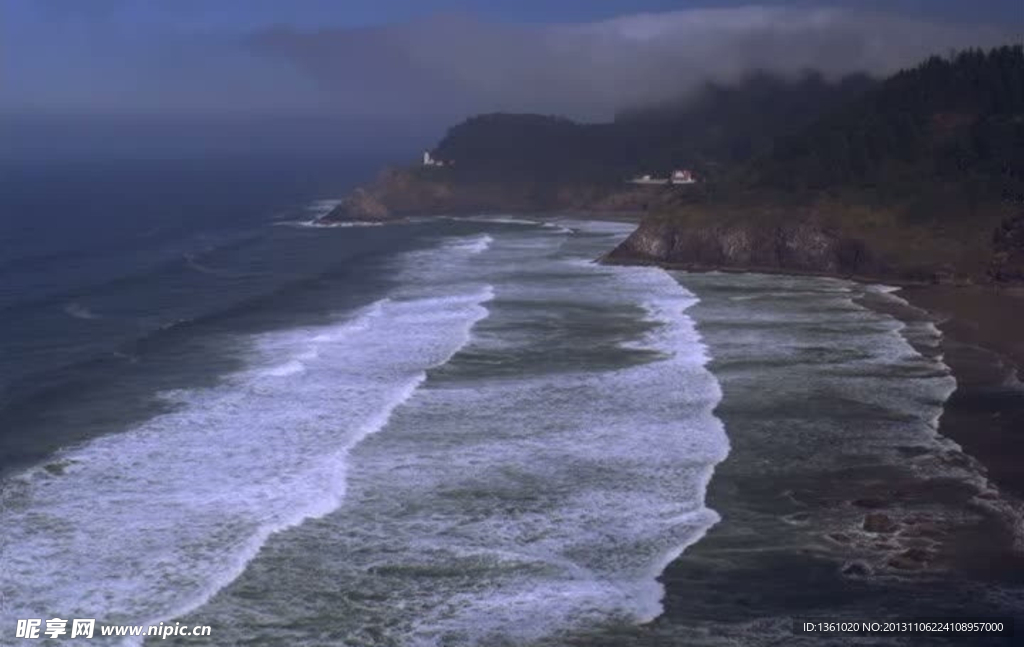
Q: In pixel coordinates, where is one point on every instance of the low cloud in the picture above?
(456, 65)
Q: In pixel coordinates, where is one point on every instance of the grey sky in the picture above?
(441, 60)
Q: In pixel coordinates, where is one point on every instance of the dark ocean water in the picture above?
(188, 365)
(108, 269)
(434, 432)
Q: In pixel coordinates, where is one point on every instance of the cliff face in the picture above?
(360, 205)
(809, 243)
(799, 247)
(421, 192)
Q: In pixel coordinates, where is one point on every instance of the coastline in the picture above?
(404, 192)
(899, 555)
(982, 345)
(916, 544)
(926, 564)
(984, 348)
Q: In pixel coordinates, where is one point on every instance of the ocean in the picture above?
(443, 431)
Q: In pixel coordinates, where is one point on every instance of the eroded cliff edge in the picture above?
(830, 240)
(801, 247)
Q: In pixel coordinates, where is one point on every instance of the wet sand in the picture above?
(983, 331)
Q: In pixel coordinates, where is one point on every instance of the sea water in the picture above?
(456, 431)
(485, 435)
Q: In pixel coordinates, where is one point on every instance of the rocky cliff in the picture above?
(798, 247)
(398, 193)
(811, 243)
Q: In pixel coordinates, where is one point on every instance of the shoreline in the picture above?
(915, 562)
(982, 345)
(913, 543)
(983, 416)
(698, 268)
(985, 351)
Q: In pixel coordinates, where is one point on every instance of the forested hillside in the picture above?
(920, 178)
(956, 121)
(709, 129)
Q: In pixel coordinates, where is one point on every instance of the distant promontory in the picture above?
(919, 177)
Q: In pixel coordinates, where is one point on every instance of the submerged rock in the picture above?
(870, 503)
(911, 559)
(856, 569)
(879, 522)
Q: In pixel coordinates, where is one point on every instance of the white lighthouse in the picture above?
(428, 160)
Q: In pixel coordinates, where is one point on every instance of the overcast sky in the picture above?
(447, 58)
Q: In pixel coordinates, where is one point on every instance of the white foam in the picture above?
(506, 220)
(579, 480)
(290, 367)
(617, 228)
(475, 245)
(552, 496)
(78, 311)
(317, 210)
(847, 353)
(320, 208)
(316, 223)
(148, 524)
(650, 438)
(323, 206)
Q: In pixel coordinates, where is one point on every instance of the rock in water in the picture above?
(911, 560)
(359, 205)
(856, 569)
(879, 522)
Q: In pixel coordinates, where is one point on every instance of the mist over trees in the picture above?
(952, 120)
(951, 128)
(716, 125)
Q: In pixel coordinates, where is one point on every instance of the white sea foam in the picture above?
(547, 487)
(616, 228)
(323, 206)
(529, 487)
(317, 210)
(148, 524)
(474, 245)
(506, 220)
(849, 354)
(78, 311)
(316, 223)
(624, 455)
